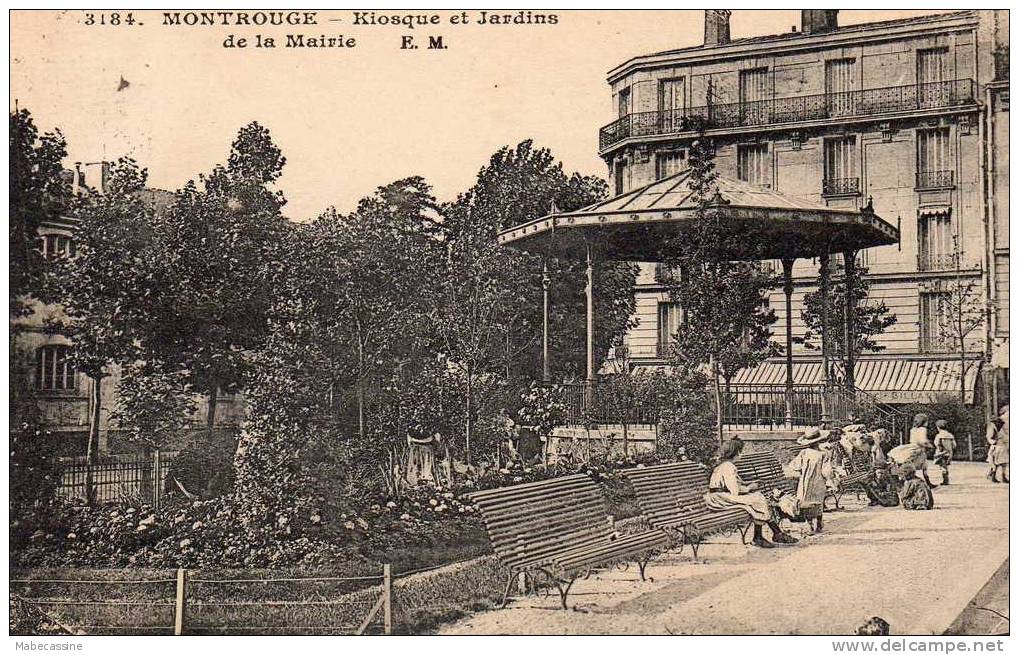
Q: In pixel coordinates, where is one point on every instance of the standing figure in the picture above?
(420, 459)
(726, 490)
(997, 454)
(813, 469)
(918, 435)
(944, 448)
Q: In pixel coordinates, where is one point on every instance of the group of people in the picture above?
(826, 457)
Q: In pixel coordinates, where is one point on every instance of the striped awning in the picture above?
(889, 380)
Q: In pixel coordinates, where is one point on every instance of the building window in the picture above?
(52, 245)
(931, 66)
(623, 100)
(754, 93)
(672, 103)
(751, 163)
(840, 177)
(54, 368)
(840, 86)
(669, 163)
(934, 169)
(619, 174)
(934, 311)
(935, 251)
(670, 317)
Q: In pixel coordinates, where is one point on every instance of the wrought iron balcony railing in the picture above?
(934, 262)
(840, 186)
(823, 106)
(935, 179)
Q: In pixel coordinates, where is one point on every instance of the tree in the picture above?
(872, 318)
(153, 407)
(218, 244)
(103, 289)
(40, 192)
(726, 324)
(962, 311)
(383, 257)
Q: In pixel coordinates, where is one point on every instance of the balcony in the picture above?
(928, 262)
(933, 180)
(825, 106)
(841, 186)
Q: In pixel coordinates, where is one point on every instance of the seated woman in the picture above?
(726, 490)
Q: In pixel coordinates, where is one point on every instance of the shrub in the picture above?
(205, 466)
(34, 466)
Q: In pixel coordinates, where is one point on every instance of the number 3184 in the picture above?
(114, 19)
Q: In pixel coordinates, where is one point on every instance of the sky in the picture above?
(347, 119)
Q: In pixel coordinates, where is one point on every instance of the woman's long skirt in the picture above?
(755, 503)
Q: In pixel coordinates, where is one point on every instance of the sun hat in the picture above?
(811, 437)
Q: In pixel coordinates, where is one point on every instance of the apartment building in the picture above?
(909, 114)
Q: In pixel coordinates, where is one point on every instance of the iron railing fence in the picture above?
(116, 478)
(926, 261)
(822, 106)
(935, 179)
(840, 186)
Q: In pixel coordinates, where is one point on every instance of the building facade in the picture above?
(911, 115)
(43, 357)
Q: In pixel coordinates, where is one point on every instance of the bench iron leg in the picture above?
(564, 590)
(642, 565)
(744, 530)
(692, 538)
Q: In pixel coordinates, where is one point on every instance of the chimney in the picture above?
(716, 26)
(816, 21)
(94, 175)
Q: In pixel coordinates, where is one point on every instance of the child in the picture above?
(812, 469)
(915, 493)
(944, 447)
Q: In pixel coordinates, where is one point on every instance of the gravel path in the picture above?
(917, 570)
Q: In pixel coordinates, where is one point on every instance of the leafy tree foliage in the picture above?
(155, 408)
(39, 192)
(517, 185)
(104, 289)
(217, 245)
(873, 318)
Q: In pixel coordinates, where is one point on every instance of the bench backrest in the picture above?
(762, 466)
(861, 461)
(543, 517)
(669, 491)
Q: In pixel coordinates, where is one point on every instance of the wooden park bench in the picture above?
(560, 528)
(764, 468)
(859, 471)
(671, 498)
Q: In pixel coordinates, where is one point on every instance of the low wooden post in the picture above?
(179, 606)
(157, 478)
(969, 446)
(387, 600)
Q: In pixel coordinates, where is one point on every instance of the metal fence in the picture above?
(116, 478)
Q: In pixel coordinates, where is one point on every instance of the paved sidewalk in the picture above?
(917, 570)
